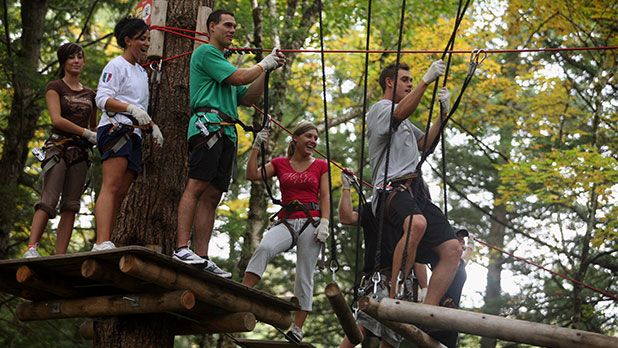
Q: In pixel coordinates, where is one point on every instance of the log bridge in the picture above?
(137, 280)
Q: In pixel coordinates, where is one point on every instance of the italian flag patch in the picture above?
(107, 77)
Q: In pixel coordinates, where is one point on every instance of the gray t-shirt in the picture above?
(404, 155)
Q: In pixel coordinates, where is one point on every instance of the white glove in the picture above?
(422, 295)
(260, 138)
(157, 135)
(90, 136)
(346, 180)
(445, 100)
(140, 115)
(271, 61)
(435, 70)
(470, 241)
(321, 232)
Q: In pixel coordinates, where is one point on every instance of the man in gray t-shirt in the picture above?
(407, 207)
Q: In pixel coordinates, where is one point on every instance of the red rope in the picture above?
(164, 28)
(548, 270)
(321, 154)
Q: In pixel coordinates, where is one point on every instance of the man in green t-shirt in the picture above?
(216, 88)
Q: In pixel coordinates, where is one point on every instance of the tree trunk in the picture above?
(25, 110)
(494, 269)
(149, 212)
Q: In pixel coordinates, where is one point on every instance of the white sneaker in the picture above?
(103, 246)
(213, 268)
(295, 334)
(32, 251)
(187, 255)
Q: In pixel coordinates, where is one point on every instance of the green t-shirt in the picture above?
(208, 70)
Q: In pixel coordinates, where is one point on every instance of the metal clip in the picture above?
(202, 127)
(400, 286)
(355, 311)
(39, 153)
(133, 300)
(334, 267)
(55, 307)
(475, 60)
(376, 278)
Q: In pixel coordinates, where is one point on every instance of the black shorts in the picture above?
(212, 165)
(438, 230)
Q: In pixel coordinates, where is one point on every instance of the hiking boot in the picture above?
(103, 246)
(295, 334)
(33, 251)
(187, 255)
(213, 268)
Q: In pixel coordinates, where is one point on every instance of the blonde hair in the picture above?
(301, 128)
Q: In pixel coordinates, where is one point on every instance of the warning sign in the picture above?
(143, 10)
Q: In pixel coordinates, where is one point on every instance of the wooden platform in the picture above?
(135, 280)
(267, 344)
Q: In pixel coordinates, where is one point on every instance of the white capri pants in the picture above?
(278, 239)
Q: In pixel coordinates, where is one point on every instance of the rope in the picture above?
(361, 163)
(614, 297)
(334, 264)
(382, 197)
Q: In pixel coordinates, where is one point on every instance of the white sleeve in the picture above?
(110, 82)
(379, 119)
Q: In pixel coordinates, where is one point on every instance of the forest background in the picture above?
(531, 153)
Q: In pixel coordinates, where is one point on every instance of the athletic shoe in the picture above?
(103, 246)
(187, 255)
(295, 334)
(213, 268)
(33, 251)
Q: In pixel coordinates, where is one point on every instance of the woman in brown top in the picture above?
(73, 114)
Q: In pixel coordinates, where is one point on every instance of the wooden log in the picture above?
(208, 292)
(491, 325)
(235, 322)
(106, 274)
(175, 301)
(157, 37)
(49, 283)
(202, 17)
(407, 331)
(343, 313)
(86, 329)
(270, 344)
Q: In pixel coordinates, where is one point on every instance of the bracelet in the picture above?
(263, 70)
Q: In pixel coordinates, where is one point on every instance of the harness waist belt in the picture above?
(301, 207)
(406, 179)
(223, 115)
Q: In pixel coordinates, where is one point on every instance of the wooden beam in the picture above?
(490, 325)
(208, 292)
(235, 322)
(106, 274)
(175, 301)
(343, 313)
(50, 283)
(269, 344)
(407, 331)
(202, 17)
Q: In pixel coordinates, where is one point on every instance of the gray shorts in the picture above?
(376, 328)
(65, 181)
(277, 240)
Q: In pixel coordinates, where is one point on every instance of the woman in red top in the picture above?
(305, 194)
(73, 115)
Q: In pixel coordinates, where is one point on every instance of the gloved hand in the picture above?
(435, 70)
(140, 115)
(90, 136)
(422, 294)
(260, 138)
(156, 134)
(470, 241)
(321, 232)
(271, 61)
(445, 100)
(347, 180)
